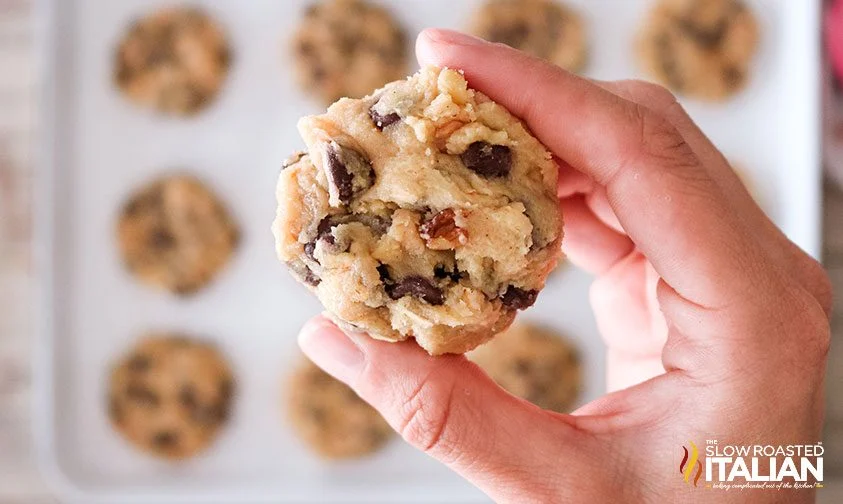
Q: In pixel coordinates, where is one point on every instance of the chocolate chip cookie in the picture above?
(546, 29)
(423, 211)
(175, 61)
(348, 48)
(331, 418)
(175, 234)
(171, 395)
(535, 364)
(700, 48)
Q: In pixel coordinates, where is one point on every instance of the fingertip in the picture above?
(331, 349)
(432, 45)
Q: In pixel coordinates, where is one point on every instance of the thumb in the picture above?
(448, 408)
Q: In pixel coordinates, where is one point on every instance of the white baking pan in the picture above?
(96, 148)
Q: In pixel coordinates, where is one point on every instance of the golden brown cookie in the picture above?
(700, 48)
(175, 234)
(330, 417)
(547, 29)
(535, 364)
(348, 48)
(170, 395)
(175, 60)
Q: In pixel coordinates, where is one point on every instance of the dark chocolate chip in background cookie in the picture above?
(174, 60)
(175, 234)
(176, 405)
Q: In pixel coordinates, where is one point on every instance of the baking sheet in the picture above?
(97, 148)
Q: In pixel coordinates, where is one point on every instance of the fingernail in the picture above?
(451, 37)
(330, 349)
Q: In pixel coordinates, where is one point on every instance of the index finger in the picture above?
(665, 200)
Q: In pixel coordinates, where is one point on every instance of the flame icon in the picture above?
(689, 460)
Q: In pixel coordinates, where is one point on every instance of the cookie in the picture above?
(175, 234)
(543, 28)
(170, 396)
(700, 48)
(331, 418)
(424, 211)
(348, 48)
(535, 364)
(174, 61)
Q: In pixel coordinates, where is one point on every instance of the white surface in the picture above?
(101, 147)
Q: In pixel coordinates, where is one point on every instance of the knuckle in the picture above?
(819, 284)
(655, 95)
(426, 414)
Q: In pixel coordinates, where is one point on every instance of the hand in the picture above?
(697, 293)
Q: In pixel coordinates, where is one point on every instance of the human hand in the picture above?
(697, 293)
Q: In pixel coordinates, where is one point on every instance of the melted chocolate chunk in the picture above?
(707, 38)
(187, 397)
(488, 160)
(348, 171)
(441, 272)
(165, 439)
(383, 121)
(162, 239)
(142, 395)
(139, 363)
(419, 288)
(518, 299)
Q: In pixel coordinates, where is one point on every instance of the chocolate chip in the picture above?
(348, 171)
(303, 273)
(165, 439)
(317, 415)
(521, 366)
(139, 363)
(115, 410)
(312, 10)
(667, 60)
(208, 415)
(441, 272)
(707, 38)
(488, 160)
(518, 299)
(310, 249)
(142, 395)
(224, 57)
(733, 76)
(226, 390)
(187, 397)
(383, 121)
(305, 48)
(513, 36)
(186, 289)
(442, 225)
(419, 288)
(383, 271)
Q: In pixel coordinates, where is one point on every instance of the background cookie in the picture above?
(330, 417)
(348, 48)
(544, 28)
(700, 48)
(424, 211)
(170, 395)
(533, 363)
(174, 60)
(175, 234)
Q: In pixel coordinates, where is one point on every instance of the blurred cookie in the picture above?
(700, 48)
(348, 48)
(175, 234)
(330, 417)
(170, 395)
(174, 60)
(533, 363)
(543, 28)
